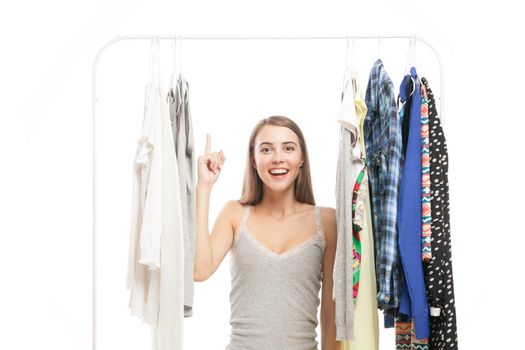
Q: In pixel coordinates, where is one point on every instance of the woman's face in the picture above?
(278, 156)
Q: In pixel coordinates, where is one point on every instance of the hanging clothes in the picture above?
(157, 294)
(357, 225)
(413, 302)
(383, 151)
(404, 102)
(426, 207)
(438, 271)
(146, 212)
(406, 337)
(366, 327)
(169, 329)
(349, 165)
(181, 123)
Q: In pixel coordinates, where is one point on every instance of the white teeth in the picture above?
(278, 171)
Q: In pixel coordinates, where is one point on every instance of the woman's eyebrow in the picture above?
(271, 144)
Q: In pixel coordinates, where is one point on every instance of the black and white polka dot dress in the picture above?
(438, 271)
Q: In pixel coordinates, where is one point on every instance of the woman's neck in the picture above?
(278, 205)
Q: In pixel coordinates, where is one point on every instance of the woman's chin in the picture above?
(277, 186)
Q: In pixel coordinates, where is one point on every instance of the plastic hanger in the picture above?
(151, 58)
(154, 64)
(411, 54)
(350, 73)
(348, 83)
(347, 72)
(180, 56)
(353, 66)
(157, 58)
(411, 60)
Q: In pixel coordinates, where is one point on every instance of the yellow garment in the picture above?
(366, 324)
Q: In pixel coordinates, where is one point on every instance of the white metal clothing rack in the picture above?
(196, 37)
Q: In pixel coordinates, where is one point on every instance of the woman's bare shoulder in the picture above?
(232, 210)
(233, 204)
(328, 222)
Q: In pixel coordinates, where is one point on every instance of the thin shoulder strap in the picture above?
(245, 213)
(318, 226)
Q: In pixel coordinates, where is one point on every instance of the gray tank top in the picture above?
(274, 297)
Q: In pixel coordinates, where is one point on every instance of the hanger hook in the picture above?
(379, 46)
(156, 56)
(408, 57)
(180, 55)
(354, 55)
(414, 50)
(346, 53)
(174, 62)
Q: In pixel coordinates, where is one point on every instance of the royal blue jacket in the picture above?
(413, 301)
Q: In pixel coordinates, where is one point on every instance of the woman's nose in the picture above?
(277, 157)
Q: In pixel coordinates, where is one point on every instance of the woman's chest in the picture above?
(281, 236)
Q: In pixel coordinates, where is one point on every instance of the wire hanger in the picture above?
(353, 61)
(175, 64)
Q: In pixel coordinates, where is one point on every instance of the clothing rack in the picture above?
(197, 37)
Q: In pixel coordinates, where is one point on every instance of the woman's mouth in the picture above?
(278, 173)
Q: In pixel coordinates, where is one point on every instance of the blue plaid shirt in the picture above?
(384, 150)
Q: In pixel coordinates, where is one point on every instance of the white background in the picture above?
(45, 72)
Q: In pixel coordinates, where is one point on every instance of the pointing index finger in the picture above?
(208, 144)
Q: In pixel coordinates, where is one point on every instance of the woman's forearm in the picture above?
(328, 328)
(328, 341)
(203, 252)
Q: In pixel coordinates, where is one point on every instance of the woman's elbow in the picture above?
(200, 277)
(202, 273)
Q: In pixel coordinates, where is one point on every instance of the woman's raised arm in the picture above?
(209, 250)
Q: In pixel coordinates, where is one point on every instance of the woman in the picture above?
(277, 263)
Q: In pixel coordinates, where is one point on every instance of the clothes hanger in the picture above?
(348, 83)
(379, 46)
(175, 67)
(411, 61)
(151, 57)
(347, 72)
(411, 54)
(180, 56)
(154, 63)
(157, 59)
(350, 73)
(353, 66)
(345, 84)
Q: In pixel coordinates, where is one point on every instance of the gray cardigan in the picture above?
(180, 116)
(347, 170)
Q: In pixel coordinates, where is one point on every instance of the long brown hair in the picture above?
(252, 189)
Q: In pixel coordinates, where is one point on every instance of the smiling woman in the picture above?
(277, 143)
(282, 245)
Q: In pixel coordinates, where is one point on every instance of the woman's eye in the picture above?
(290, 148)
(265, 149)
